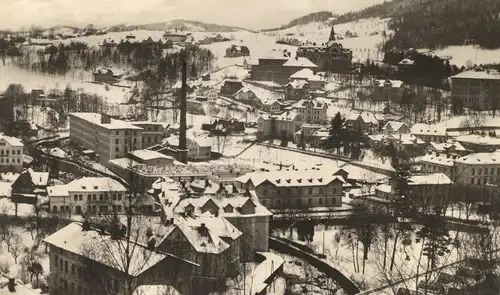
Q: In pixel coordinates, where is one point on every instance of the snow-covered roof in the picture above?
(222, 201)
(406, 61)
(114, 124)
(73, 239)
(147, 155)
(483, 75)
(444, 146)
(384, 188)
(425, 129)
(366, 117)
(298, 84)
(95, 184)
(202, 238)
(479, 140)
(39, 178)
(299, 62)
(410, 139)
(492, 158)
(12, 141)
(443, 160)
(393, 83)
(306, 74)
(58, 191)
(395, 125)
(218, 225)
(429, 179)
(305, 103)
(201, 141)
(286, 116)
(291, 178)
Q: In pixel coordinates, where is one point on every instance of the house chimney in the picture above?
(12, 285)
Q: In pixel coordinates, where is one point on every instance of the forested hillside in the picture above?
(429, 24)
(439, 23)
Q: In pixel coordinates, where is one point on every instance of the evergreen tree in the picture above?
(194, 73)
(336, 131)
(332, 35)
(302, 142)
(284, 139)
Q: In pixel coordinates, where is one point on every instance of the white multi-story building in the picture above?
(478, 168)
(477, 90)
(274, 126)
(90, 195)
(108, 138)
(11, 153)
(314, 111)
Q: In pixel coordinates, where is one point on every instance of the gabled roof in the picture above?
(425, 129)
(395, 125)
(38, 178)
(429, 179)
(218, 225)
(95, 184)
(202, 238)
(73, 239)
(299, 62)
(12, 141)
(316, 104)
(297, 84)
(291, 178)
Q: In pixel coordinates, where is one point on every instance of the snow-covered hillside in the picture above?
(370, 34)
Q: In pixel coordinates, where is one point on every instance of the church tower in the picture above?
(332, 35)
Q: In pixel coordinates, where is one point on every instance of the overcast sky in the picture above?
(252, 14)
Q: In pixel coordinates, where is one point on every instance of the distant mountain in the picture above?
(428, 24)
(179, 24)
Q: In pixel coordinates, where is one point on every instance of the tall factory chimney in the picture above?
(182, 152)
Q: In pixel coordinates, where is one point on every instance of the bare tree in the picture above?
(15, 245)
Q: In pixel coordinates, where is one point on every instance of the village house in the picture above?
(29, 187)
(314, 135)
(230, 87)
(478, 168)
(151, 157)
(297, 90)
(364, 121)
(476, 89)
(329, 57)
(106, 75)
(395, 128)
(449, 147)
(314, 81)
(244, 211)
(199, 149)
(11, 154)
(434, 162)
(152, 132)
(387, 90)
(74, 269)
(384, 191)
(281, 190)
(206, 93)
(276, 126)
(211, 242)
(429, 133)
(479, 143)
(272, 106)
(176, 37)
(313, 111)
(237, 51)
(205, 77)
(409, 143)
(430, 190)
(88, 195)
(52, 100)
(247, 96)
(278, 66)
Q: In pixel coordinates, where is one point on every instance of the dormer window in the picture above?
(288, 180)
(83, 186)
(299, 180)
(320, 179)
(310, 180)
(278, 181)
(228, 209)
(95, 187)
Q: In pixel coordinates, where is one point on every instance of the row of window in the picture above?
(484, 171)
(300, 191)
(14, 152)
(90, 209)
(102, 197)
(289, 202)
(12, 161)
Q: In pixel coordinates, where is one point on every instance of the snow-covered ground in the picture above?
(345, 256)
